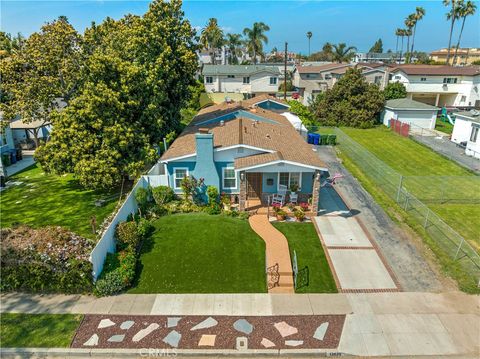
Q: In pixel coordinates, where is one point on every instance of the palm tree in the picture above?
(212, 37)
(309, 36)
(419, 14)
(398, 33)
(343, 53)
(409, 23)
(256, 38)
(452, 15)
(465, 9)
(234, 43)
(327, 49)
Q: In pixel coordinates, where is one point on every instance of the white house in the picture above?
(466, 131)
(440, 85)
(249, 79)
(417, 114)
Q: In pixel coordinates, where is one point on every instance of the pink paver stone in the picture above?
(284, 329)
(207, 340)
(267, 343)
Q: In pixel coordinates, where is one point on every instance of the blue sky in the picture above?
(357, 23)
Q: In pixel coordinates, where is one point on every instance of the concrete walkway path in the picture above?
(277, 251)
(19, 166)
(376, 324)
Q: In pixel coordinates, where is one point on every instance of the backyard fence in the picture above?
(413, 193)
(400, 127)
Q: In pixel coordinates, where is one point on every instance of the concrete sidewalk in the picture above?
(376, 323)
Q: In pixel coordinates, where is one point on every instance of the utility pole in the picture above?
(285, 75)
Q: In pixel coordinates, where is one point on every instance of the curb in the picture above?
(157, 353)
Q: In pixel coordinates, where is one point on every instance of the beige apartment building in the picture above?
(466, 56)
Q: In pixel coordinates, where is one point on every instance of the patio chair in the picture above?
(294, 198)
(279, 197)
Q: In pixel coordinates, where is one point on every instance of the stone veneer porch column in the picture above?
(243, 191)
(316, 192)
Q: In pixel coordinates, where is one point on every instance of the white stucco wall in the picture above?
(461, 130)
(259, 83)
(416, 118)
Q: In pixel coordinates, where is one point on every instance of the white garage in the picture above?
(417, 114)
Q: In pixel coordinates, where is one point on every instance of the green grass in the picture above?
(46, 199)
(200, 253)
(410, 158)
(38, 330)
(446, 127)
(303, 238)
(325, 130)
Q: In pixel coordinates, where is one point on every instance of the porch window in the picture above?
(178, 175)
(289, 178)
(209, 80)
(229, 178)
(474, 134)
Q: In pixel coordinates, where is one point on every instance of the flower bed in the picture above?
(49, 259)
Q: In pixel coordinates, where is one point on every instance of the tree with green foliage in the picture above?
(341, 53)
(137, 78)
(352, 101)
(255, 38)
(465, 9)
(10, 44)
(211, 37)
(303, 112)
(43, 71)
(417, 16)
(234, 43)
(377, 47)
(394, 90)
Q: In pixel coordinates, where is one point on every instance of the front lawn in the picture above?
(200, 253)
(38, 330)
(303, 238)
(446, 127)
(45, 199)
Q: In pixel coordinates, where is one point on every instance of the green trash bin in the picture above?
(332, 139)
(6, 159)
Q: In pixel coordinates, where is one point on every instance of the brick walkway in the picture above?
(277, 252)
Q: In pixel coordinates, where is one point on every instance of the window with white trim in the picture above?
(474, 134)
(273, 80)
(231, 76)
(423, 79)
(229, 178)
(289, 178)
(283, 179)
(294, 179)
(449, 80)
(209, 80)
(246, 80)
(178, 175)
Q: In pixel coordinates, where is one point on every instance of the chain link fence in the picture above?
(413, 193)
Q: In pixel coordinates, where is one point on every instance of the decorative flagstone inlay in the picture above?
(144, 332)
(242, 325)
(93, 341)
(116, 338)
(173, 338)
(284, 329)
(321, 331)
(105, 323)
(207, 340)
(267, 343)
(207, 323)
(293, 343)
(127, 324)
(173, 321)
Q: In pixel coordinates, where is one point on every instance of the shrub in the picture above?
(214, 209)
(212, 193)
(49, 259)
(304, 206)
(231, 213)
(141, 196)
(294, 187)
(191, 188)
(144, 228)
(299, 214)
(243, 215)
(118, 273)
(163, 195)
(127, 235)
(276, 207)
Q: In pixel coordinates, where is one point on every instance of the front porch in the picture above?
(257, 189)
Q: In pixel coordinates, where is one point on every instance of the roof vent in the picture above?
(222, 123)
(203, 130)
(268, 136)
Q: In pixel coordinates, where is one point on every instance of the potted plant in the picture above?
(291, 206)
(226, 202)
(299, 215)
(281, 215)
(304, 206)
(293, 188)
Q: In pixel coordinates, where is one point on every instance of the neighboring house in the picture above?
(465, 56)
(440, 85)
(311, 80)
(6, 140)
(247, 150)
(370, 57)
(466, 131)
(417, 114)
(248, 79)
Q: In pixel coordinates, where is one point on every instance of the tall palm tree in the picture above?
(343, 53)
(452, 15)
(255, 38)
(419, 14)
(309, 36)
(234, 43)
(398, 34)
(327, 49)
(410, 22)
(211, 37)
(465, 9)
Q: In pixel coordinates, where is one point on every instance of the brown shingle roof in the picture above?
(440, 70)
(279, 136)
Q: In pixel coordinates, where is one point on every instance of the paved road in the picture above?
(376, 323)
(450, 150)
(409, 266)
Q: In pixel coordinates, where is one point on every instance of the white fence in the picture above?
(156, 180)
(106, 244)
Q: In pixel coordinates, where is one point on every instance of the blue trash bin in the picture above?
(316, 139)
(13, 156)
(310, 138)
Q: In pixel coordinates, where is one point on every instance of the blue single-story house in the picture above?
(246, 150)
